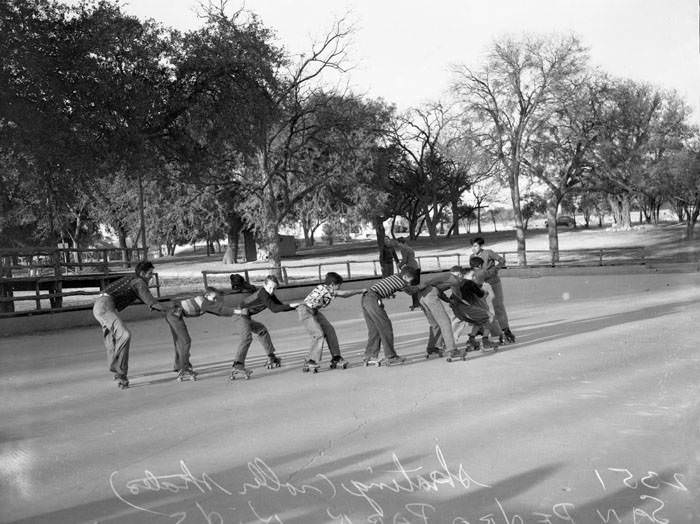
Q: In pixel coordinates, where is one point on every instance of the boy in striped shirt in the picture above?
(209, 302)
(318, 326)
(379, 328)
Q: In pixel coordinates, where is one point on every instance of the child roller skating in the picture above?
(380, 332)
(318, 326)
(211, 301)
(255, 303)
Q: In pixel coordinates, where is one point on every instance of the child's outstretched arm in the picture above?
(350, 292)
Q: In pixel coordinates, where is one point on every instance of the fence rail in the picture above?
(444, 261)
(51, 289)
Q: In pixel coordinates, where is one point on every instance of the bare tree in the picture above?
(513, 95)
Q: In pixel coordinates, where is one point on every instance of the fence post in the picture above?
(158, 285)
(319, 273)
(458, 260)
(374, 267)
(347, 264)
(105, 261)
(600, 259)
(204, 277)
(437, 259)
(285, 278)
(247, 276)
(38, 292)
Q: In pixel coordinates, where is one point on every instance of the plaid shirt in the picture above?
(319, 297)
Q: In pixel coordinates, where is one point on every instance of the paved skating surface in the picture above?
(592, 416)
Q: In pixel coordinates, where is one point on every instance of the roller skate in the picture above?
(123, 382)
(239, 371)
(186, 374)
(437, 352)
(488, 344)
(508, 334)
(457, 354)
(338, 362)
(393, 361)
(273, 361)
(310, 366)
(472, 344)
(371, 361)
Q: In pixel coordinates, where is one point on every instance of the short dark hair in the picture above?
(467, 270)
(478, 240)
(333, 278)
(272, 278)
(409, 272)
(456, 269)
(143, 267)
(401, 239)
(210, 289)
(476, 261)
(238, 283)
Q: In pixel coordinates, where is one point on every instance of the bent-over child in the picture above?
(318, 325)
(380, 332)
(211, 301)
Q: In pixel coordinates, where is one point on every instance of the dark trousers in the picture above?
(379, 328)
(415, 299)
(249, 327)
(116, 336)
(181, 340)
(320, 329)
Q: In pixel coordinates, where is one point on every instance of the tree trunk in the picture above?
(235, 226)
(454, 230)
(552, 232)
(514, 182)
(251, 250)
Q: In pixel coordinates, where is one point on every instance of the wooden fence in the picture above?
(305, 273)
(42, 274)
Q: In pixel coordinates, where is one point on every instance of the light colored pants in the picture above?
(499, 306)
(320, 329)
(440, 332)
(117, 338)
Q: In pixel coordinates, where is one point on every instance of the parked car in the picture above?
(564, 220)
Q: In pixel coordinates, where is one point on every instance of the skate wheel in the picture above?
(345, 366)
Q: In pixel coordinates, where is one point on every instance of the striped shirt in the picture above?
(388, 286)
(319, 297)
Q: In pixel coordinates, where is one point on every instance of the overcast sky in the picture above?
(402, 50)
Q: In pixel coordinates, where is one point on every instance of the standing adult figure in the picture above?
(408, 260)
(492, 263)
(114, 298)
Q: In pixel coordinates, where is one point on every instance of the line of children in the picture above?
(466, 301)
